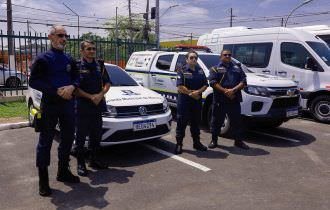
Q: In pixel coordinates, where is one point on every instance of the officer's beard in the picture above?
(58, 46)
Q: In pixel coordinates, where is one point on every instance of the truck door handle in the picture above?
(173, 78)
(266, 71)
(153, 75)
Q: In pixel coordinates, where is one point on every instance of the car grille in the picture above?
(283, 91)
(285, 102)
(130, 134)
(131, 111)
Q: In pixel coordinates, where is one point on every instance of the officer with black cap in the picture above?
(94, 84)
(55, 74)
(227, 81)
(191, 83)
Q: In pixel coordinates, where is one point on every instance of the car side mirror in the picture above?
(311, 64)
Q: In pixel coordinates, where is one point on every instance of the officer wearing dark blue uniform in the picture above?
(191, 83)
(94, 84)
(227, 81)
(54, 73)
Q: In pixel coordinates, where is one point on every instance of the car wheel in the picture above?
(13, 82)
(320, 108)
(225, 128)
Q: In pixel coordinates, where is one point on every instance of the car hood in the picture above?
(266, 80)
(132, 96)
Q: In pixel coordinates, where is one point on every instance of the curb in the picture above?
(8, 126)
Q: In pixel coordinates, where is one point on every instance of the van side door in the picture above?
(163, 77)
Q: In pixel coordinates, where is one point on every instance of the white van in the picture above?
(268, 100)
(322, 31)
(134, 113)
(286, 52)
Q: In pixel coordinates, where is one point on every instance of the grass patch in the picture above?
(13, 109)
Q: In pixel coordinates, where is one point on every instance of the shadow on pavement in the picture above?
(107, 176)
(251, 152)
(290, 137)
(81, 195)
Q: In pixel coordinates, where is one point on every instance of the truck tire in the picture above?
(320, 108)
(225, 129)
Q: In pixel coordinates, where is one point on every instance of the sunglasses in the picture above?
(192, 57)
(62, 35)
(226, 55)
(90, 48)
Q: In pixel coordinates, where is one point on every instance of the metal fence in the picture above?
(14, 67)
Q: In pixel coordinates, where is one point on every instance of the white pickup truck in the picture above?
(267, 100)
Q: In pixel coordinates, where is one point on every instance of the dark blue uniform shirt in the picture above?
(52, 70)
(192, 79)
(229, 76)
(93, 76)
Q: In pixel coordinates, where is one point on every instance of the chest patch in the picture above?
(187, 75)
(222, 69)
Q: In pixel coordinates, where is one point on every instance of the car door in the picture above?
(163, 77)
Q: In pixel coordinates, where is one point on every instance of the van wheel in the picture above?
(320, 108)
(225, 128)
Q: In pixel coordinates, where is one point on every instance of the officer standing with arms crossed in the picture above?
(94, 84)
(54, 73)
(191, 83)
(227, 81)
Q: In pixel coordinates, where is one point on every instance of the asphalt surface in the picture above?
(287, 168)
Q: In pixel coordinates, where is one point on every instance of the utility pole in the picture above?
(117, 53)
(130, 20)
(231, 17)
(10, 28)
(157, 23)
(191, 37)
(146, 26)
(282, 22)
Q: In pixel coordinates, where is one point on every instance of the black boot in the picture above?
(178, 146)
(81, 165)
(64, 174)
(95, 163)
(44, 189)
(214, 142)
(198, 145)
(241, 144)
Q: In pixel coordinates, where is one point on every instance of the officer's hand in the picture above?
(97, 98)
(66, 92)
(195, 95)
(230, 93)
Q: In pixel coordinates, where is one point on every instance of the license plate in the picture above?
(144, 125)
(292, 112)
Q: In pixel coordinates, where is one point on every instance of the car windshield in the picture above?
(118, 77)
(322, 50)
(213, 60)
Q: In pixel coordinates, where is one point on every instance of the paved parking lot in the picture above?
(287, 168)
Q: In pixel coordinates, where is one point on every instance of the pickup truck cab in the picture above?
(267, 100)
(135, 113)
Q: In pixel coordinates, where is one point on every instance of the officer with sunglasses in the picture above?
(191, 83)
(94, 84)
(55, 74)
(227, 81)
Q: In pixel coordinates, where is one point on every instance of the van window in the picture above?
(164, 62)
(252, 54)
(228, 47)
(322, 50)
(294, 54)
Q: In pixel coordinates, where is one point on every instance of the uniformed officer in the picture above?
(191, 83)
(54, 73)
(94, 84)
(227, 81)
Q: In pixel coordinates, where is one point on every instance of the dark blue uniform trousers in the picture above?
(219, 111)
(189, 111)
(62, 113)
(89, 123)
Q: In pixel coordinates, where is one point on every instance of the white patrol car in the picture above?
(134, 113)
(267, 100)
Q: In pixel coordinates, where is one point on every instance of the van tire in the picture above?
(226, 129)
(320, 108)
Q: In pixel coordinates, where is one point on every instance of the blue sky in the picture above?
(183, 18)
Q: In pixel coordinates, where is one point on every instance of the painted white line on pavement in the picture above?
(276, 136)
(176, 157)
(313, 156)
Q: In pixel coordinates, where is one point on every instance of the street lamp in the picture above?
(170, 7)
(73, 13)
(292, 11)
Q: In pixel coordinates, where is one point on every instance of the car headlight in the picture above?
(111, 111)
(165, 105)
(257, 90)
